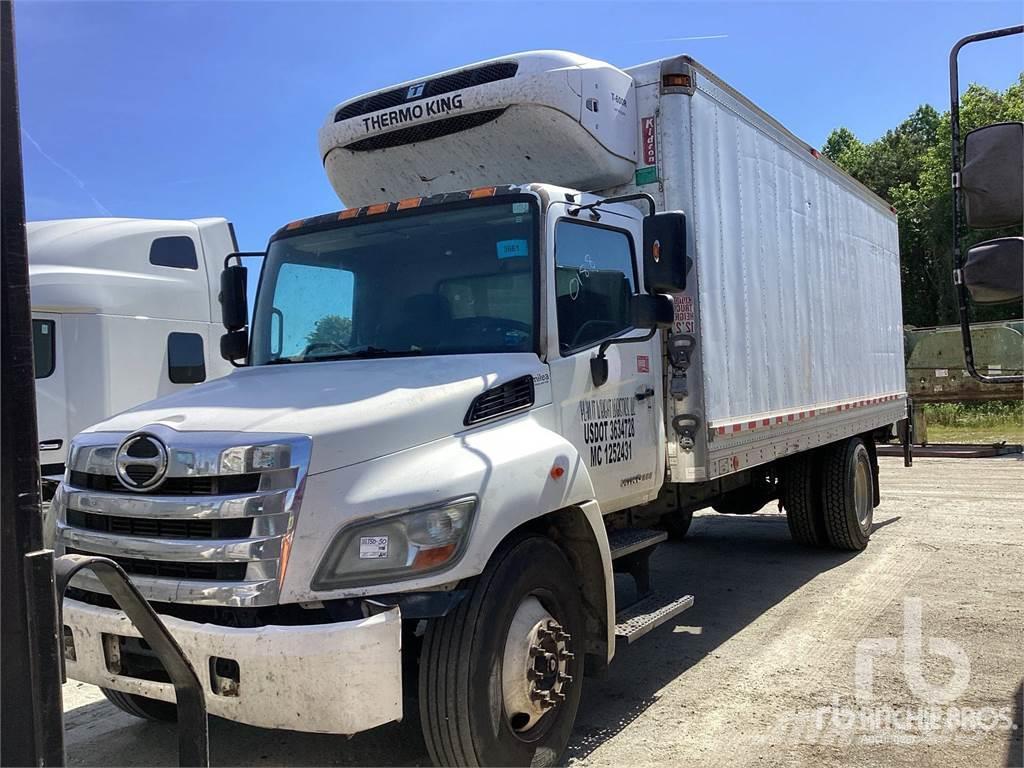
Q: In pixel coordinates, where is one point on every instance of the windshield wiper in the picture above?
(366, 353)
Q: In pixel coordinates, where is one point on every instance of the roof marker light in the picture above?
(481, 192)
(409, 202)
(377, 208)
(677, 80)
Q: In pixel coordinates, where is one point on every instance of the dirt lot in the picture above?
(909, 654)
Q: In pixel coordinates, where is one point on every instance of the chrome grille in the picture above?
(211, 533)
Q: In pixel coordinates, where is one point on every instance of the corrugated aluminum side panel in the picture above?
(799, 283)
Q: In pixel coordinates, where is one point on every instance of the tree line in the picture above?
(910, 167)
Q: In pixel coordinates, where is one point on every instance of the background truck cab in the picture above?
(123, 311)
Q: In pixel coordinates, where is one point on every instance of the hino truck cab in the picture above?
(467, 399)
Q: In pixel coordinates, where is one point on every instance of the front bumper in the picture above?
(339, 678)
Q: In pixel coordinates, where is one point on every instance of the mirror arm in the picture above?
(620, 199)
(624, 340)
(599, 363)
(243, 255)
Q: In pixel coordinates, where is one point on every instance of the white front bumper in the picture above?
(323, 678)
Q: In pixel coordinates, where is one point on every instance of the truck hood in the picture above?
(354, 410)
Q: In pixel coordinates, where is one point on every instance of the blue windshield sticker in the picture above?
(510, 249)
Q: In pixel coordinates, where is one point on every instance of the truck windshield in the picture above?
(457, 279)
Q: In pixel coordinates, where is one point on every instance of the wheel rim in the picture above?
(534, 671)
(862, 493)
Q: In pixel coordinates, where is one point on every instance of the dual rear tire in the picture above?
(829, 496)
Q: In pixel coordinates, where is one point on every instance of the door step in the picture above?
(627, 541)
(641, 617)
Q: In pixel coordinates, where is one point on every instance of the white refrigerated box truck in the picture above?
(123, 311)
(599, 299)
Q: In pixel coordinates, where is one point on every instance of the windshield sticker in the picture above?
(609, 425)
(510, 249)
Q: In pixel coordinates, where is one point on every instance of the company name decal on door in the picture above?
(609, 425)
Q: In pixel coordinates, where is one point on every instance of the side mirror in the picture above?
(993, 271)
(650, 312)
(992, 177)
(234, 310)
(664, 257)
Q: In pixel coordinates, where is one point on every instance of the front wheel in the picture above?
(500, 676)
(142, 707)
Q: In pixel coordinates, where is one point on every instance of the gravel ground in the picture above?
(910, 653)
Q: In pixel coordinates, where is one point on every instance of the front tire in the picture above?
(848, 495)
(141, 707)
(524, 615)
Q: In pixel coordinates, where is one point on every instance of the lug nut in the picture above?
(533, 675)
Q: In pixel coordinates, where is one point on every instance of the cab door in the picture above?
(614, 427)
(51, 393)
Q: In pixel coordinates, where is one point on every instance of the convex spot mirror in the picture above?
(651, 312)
(992, 177)
(665, 261)
(993, 271)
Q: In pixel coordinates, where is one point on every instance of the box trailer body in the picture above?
(461, 408)
(796, 310)
(123, 311)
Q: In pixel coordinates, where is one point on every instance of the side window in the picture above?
(178, 252)
(186, 363)
(44, 347)
(319, 315)
(593, 283)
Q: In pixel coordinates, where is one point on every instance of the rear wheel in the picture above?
(801, 497)
(140, 706)
(848, 494)
(501, 675)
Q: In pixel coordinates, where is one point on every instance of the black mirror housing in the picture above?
(651, 312)
(993, 271)
(234, 345)
(992, 177)
(664, 258)
(234, 309)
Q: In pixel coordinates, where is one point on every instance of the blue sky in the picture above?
(177, 110)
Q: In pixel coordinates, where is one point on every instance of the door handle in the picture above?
(649, 392)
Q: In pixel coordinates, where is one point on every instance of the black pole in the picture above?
(30, 699)
(958, 256)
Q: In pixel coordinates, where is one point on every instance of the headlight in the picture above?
(404, 545)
